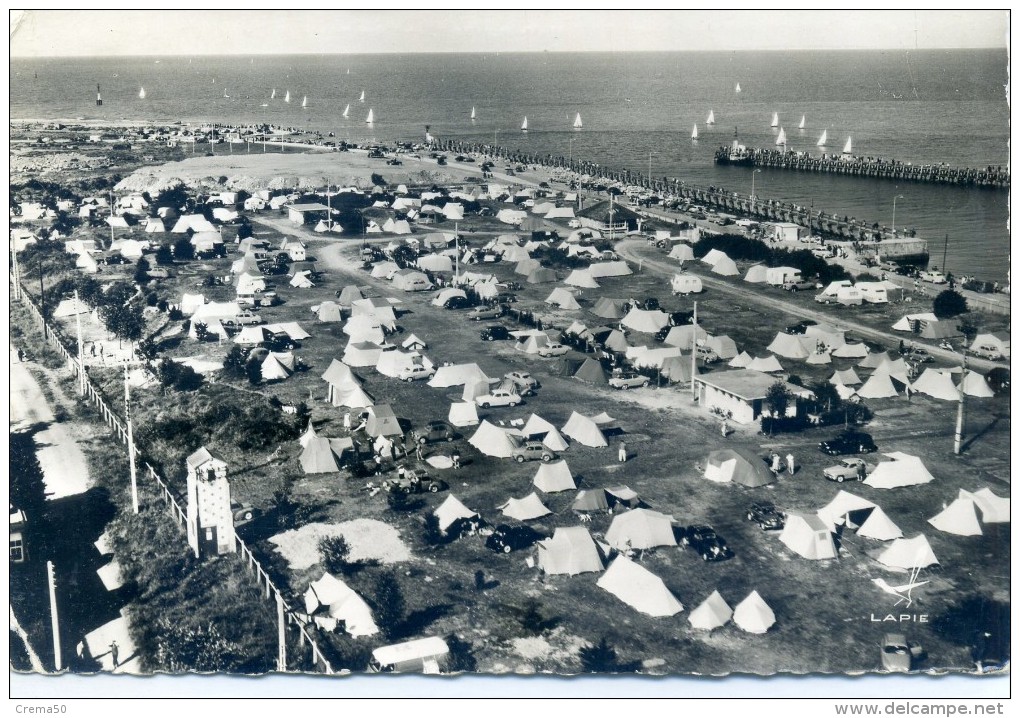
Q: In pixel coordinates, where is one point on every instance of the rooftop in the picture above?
(746, 383)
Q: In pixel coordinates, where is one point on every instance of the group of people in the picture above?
(776, 465)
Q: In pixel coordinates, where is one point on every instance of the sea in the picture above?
(638, 111)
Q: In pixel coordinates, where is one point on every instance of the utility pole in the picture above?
(42, 300)
(456, 256)
(958, 436)
(694, 354)
(945, 249)
(17, 273)
(281, 636)
(130, 439)
(81, 346)
(54, 618)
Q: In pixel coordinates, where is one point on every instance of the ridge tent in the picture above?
(903, 470)
(543, 208)
(908, 322)
(527, 266)
(819, 358)
(531, 343)
(808, 536)
(474, 388)
(677, 369)
(526, 509)
(839, 510)
(740, 361)
(975, 385)
(338, 374)
(602, 419)
(515, 254)
(737, 466)
(396, 226)
(599, 270)
(879, 386)
(189, 303)
(994, 509)
(640, 529)
(570, 551)
(491, 440)
(577, 329)
(609, 308)
(343, 605)
(329, 312)
(584, 430)
(851, 351)
(998, 341)
(563, 299)
(686, 284)
(273, 369)
(250, 335)
(756, 274)
(302, 280)
(322, 455)
(655, 358)
(349, 295)
(711, 613)
(617, 341)
(936, 384)
(713, 256)
(364, 329)
(153, 225)
(682, 252)
(765, 364)
(463, 413)
(71, 307)
(908, 553)
(541, 275)
(554, 440)
(382, 270)
(378, 309)
(624, 495)
(846, 377)
(788, 346)
(553, 477)
(413, 343)
(361, 354)
(457, 375)
(959, 518)
(581, 278)
(511, 216)
(722, 345)
(392, 362)
(538, 428)
(725, 267)
(845, 393)
(451, 511)
(411, 280)
(639, 588)
(590, 500)
(940, 330)
(446, 295)
(879, 526)
(648, 322)
(753, 614)
(435, 263)
(874, 360)
(685, 336)
(382, 422)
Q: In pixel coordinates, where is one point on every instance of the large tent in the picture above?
(684, 336)
(447, 294)
(851, 351)
(765, 364)
(846, 377)
(381, 310)
(711, 613)
(959, 518)
(903, 470)
(609, 269)
(361, 354)
(639, 588)
(344, 389)
(491, 440)
(541, 275)
(590, 500)
(451, 511)
(873, 359)
(647, 321)
(788, 346)
(391, 363)
(553, 477)
(755, 274)
(329, 312)
(584, 430)
(740, 361)
(538, 428)
(457, 375)
(342, 604)
(609, 308)
(678, 369)
(713, 256)
(364, 329)
(640, 529)
(526, 509)
(879, 526)
(722, 345)
(592, 372)
(907, 322)
(350, 294)
(994, 509)
(383, 270)
(681, 252)
(581, 278)
(937, 384)
(382, 422)
(819, 358)
(323, 455)
(435, 263)
(616, 341)
(753, 614)
(908, 553)
(725, 267)
(570, 551)
(808, 536)
(527, 266)
(738, 466)
(879, 386)
(463, 413)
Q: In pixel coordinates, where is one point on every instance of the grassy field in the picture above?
(824, 609)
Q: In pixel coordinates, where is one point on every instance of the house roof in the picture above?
(745, 383)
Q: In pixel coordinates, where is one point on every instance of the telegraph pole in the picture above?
(130, 440)
(17, 272)
(694, 354)
(281, 626)
(958, 436)
(42, 300)
(81, 346)
(54, 618)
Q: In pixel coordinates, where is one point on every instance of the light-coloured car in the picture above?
(933, 277)
(523, 382)
(628, 381)
(532, 450)
(415, 373)
(850, 469)
(552, 350)
(498, 397)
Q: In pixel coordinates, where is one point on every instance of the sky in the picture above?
(41, 33)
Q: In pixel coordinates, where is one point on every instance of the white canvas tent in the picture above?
(879, 526)
(713, 256)
(463, 413)
(563, 299)
(808, 536)
(737, 466)
(554, 476)
(526, 509)
(725, 267)
(491, 440)
(452, 510)
(570, 551)
(741, 361)
(581, 278)
(609, 308)
(342, 604)
(584, 430)
(756, 274)
(753, 614)
(639, 588)
(765, 364)
(361, 354)
(994, 509)
(846, 377)
(711, 613)
(907, 553)
(936, 384)
(975, 385)
(609, 269)
(590, 500)
(851, 351)
(640, 529)
(788, 346)
(684, 336)
(681, 252)
(457, 375)
(903, 470)
(878, 386)
(959, 518)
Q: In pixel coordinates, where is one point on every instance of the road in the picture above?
(639, 251)
(65, 470)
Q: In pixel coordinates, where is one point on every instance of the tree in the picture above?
(142, 271)
(184, 249)
(176, 197)
(235, 360)
(164, 255)
(389, 604)
(335, 553)
(126, 322)
(377, 179)
(778, 399)
(253, 370)
(949, 303)
(600, 658)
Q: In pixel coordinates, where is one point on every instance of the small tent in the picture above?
(581, 278)
(755, 274)
(343, 605)
(908, 553)
(994, 509)
(975, 385)
(329, 312)
(563, 299)
(609, 269)
(584, 430)
(903, 470)
(681, 252)
(463, 413)
(640, 529)
(639, 588)
(457, 375)
(361, 354)
(713, 256)
(349, 295)
(959, 518)
(819, 358)
(711, 613)
(382, 422)
(590, 500)
(435, 263)
(323, 455)
(873, 360)
(553, 477)
(879, 526)
(274, 368)
(685, 336)
(609, 308)
(738, 466)
(725, 267)
(570, 551)
(808, 536)
(526, 509)
(648, 322)
(851, 351)
(936, 384)
(765, 364)
(451, 511)
(879, 386)
(541, 275)
(753, 614)
(740, 361)
(591, 372)
(842, 507)
(677, 369)
(722, 345)
(846, 377)
(447, 294)
(492, 440)
(527, 266)
(788, 346)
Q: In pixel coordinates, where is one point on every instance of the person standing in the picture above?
(419, 452)
(725, 429)
(347, 421)
(789, 462)
(623, 452)
(775, 463)
(115, 653)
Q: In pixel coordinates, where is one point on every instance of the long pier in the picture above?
(869, 167)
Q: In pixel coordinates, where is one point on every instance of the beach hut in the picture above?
(753, 614)
(570, 551)
(711, 613)
(907, 553)
(590, 500)
(903, 470)
(463, 413)
(725, 267)
(640, 529)
(491, 440)
(959, 518)
(808, 536)
(554, 477)
(527, 509)
(738, 466)
(936, 384)
(756, 274)
(639, 588)
(584, 430)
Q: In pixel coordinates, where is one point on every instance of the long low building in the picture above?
(742, 392)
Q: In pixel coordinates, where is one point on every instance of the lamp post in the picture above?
(899, 196)
(753, 173)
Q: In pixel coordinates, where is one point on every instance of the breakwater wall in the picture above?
(868, 167)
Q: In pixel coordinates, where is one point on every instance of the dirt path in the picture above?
(631, 249)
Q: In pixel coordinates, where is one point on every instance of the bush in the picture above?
(949, 304)
(234, 363)
(178, 376)
(164, 255)
(334, 552)
(778, 399)
(389, 604)
(184, 249)
(600, 658)
(253, 370)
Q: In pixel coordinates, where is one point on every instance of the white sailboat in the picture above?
(847, 147)
(694, 133)
(711, 118)
(775, 119)
(738, 88)
(362, 99)
(472, 113)
(801, 125)
(273, 96)
(304, 101)
(577, 121)
(524, 125)
(824, 138)
(287, 98)
(781, 140)
(371, 116)
(347, 111)
(141, 94)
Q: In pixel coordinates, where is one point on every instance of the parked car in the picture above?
(416, 481)
(433, 431)
(706, 354)
(498, 397)
(800, 327)
(242, 319)
(898, 654)
(849, 442)
(531, 451)
(765, 514)
(490, 312)
(496, 331)
(991, 353)
(934, 277)
(457, 303)
(394, 161)
(242, 512)
(917, 354)
(796, 285)
(506, 538)
(279, 342)
(847, 470)
(628, 380)
(415, 373)
(523, 382)
(552, 350)
(706, 543)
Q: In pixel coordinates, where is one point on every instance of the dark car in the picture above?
(907, 270)
(706, 543)
(242, 513)
(849, 442)
(512, 538)
(495, 332)
(457, 303)
(650, 304)
(393, 161)
(765, 514)
(800, 327)
(416, 482)
(434, 431)
(279, 342)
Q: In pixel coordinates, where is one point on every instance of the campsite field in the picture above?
(825, 611)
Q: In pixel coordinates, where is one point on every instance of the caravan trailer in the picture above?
(422, 655)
